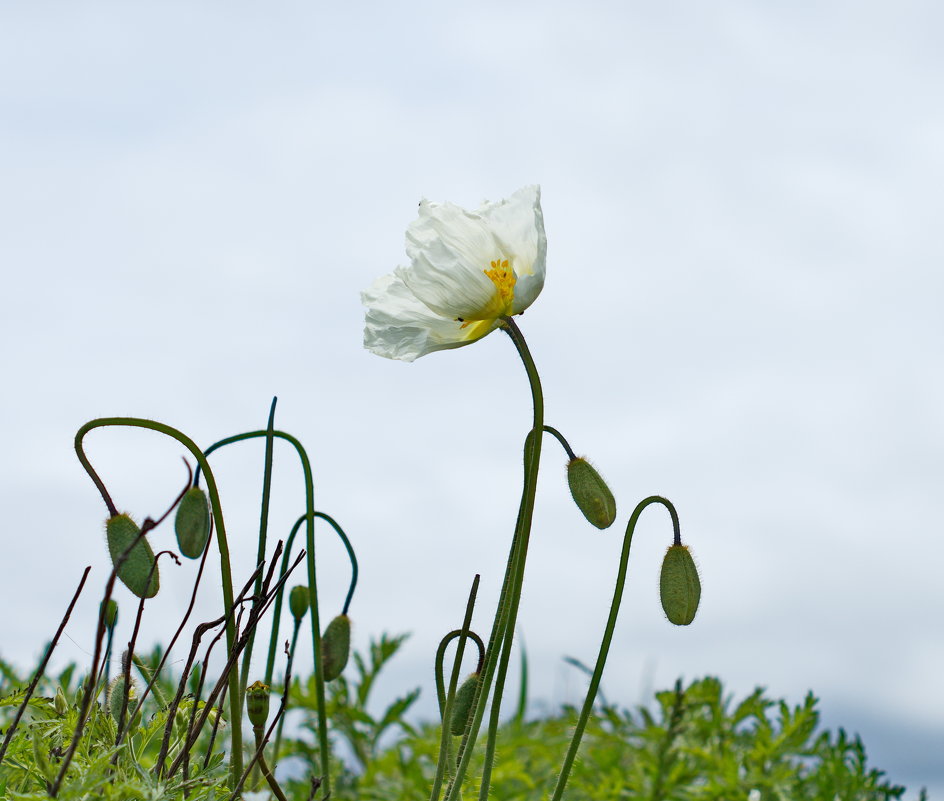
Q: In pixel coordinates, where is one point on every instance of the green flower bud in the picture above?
(121, 531)
(335, 647)
(462, 705)
(299, 601)
(257, 703)
(679, 586)
(60, 704)
(192, 523)
(111, 613)
(591, 494)
(116, 697)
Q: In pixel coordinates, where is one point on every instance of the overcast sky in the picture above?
(742, 312)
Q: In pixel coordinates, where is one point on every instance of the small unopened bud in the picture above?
(111, 613)
(257, 703)
(679, 586)
(299, 601)
(335, 647)
(116, 697)
(192, 523)
(121, 531)
(591, 494)
(59, 702)
(462, 705)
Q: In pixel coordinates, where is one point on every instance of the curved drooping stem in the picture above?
(310, 515)
(226, 573)
(608, 634)
(498, 651)
(447, 699)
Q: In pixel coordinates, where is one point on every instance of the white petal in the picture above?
(450, 249)
(399, 326)
(518, 225)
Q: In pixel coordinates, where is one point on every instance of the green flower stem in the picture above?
(503, 627)
(310, 515)
(225, 568)
(608, 636)
(270, 779)
(277, 616)
(445, 699)
(263, 530)
(562, 440)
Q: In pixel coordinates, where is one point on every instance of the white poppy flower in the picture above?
(468, 270)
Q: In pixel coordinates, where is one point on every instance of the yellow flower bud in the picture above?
(679, 586)
(591, 494)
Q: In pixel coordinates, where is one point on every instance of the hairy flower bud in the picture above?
(116, 697)
(121, 531)
(591, 494)
(679, 586)
(59, 703)
(299, 601)
(257, 703)
(462, 705)
(192, 523)
(335, 647)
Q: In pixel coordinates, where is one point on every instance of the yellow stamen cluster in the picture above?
(504, 279)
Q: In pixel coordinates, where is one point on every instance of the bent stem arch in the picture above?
(225, 567)
(608, 635)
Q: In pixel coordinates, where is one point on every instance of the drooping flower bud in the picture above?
(335, 647)
(111, 613)
(192, 523)
(257, 703)
(299, 601)
(121, 531)
(59, 703)
(462, 705)
(679, 586)
(591, 494)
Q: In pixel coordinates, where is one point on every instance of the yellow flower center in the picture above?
(499, 304)
(504, 279)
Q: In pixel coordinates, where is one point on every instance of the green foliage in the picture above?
(693, 744)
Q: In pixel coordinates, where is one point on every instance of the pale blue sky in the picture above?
(742, 312)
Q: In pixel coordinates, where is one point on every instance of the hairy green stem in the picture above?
(503, 627)
(608, 636)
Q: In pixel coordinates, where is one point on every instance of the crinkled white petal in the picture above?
(399, 326)
(450, 249)
(517, 223)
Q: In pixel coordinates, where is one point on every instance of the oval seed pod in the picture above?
(298, 601)
(192, 523)
(121, 531)
(591, 494)
(335, 647)
(462, 705)
(679, 586)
